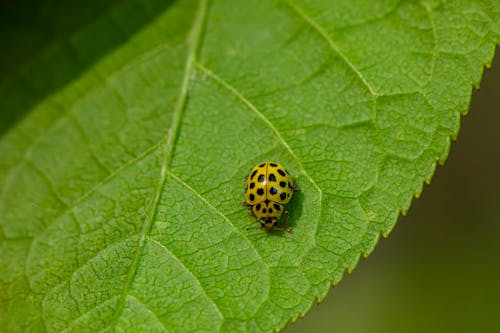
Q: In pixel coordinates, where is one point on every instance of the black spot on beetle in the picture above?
(283, 184)
(273, 164)
(290, 185)
(258, 206)
(251, 197)
(253, 174)
(252, 185)
(277, 206)
(264, 210)
(272, 177)
(270, 210)
(266, 201)
(281, 172)
(262, 178)
(273, 190)
(283, 196)
(260, 191)
(262, 165)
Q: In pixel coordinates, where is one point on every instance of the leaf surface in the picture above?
(121, 191)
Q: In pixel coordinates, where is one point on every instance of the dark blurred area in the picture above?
(37, 51)
(29, 26)
(439, 270)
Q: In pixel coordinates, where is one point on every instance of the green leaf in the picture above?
(121, 188)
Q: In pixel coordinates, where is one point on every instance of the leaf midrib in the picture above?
(167, 146)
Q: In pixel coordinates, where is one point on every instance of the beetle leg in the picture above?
(249, 206)
(284, 227)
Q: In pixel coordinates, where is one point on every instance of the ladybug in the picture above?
(268, 188)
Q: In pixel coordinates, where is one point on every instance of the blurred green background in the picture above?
(439, 270)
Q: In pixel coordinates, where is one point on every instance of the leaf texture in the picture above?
(120, 192)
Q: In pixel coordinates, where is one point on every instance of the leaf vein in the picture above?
(69, 208)
(195, 278)
(212, 207)
(306, 18)
(149, 310)
(260, 115)
(47, 180)
(70, 277)
(75, 321)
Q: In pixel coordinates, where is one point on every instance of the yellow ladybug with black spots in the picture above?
(268, 188)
